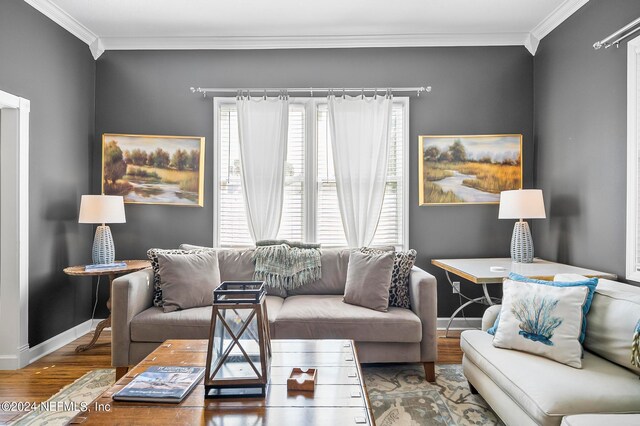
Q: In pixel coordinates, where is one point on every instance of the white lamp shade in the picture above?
(522, 204)
(101, 209)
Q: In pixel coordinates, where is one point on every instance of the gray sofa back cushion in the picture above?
(236, 264)
(334, 274)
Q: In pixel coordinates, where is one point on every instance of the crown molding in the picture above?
(557, 17)
(62, 18)
(531, 42)
(98, 45)
(311, 42)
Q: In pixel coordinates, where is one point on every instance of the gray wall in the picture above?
(475, 90)
(580, 124)
(42, 62)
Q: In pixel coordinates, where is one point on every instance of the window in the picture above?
(633, 159)
(310, 208)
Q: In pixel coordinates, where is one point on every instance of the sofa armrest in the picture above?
(489, 316)
(423, 293)
(130, 295)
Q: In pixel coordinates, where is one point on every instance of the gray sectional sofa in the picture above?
(525, 389)
(314, 311)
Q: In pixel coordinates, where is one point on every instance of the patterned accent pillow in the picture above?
(399, 290)
(543, 320)
(152, 254)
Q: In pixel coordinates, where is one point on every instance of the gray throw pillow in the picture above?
(188, 280)
(152, 254)
(368, 280)
(399, 290)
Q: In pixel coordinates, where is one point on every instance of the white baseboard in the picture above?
(64, 338)
(15, 362)
(468, 323)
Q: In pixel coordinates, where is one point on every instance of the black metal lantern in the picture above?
(239, 350)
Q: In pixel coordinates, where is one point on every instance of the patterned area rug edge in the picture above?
(82, 391)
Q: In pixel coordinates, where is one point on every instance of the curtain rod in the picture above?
(618, 36)
(310, 90)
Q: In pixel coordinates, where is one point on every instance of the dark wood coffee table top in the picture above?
(339, 398)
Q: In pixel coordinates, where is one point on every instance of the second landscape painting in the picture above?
(153, 169)
(468, 169)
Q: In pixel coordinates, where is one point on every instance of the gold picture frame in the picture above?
(154, 169)
(468, 169)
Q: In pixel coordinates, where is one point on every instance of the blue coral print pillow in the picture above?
(542, 320)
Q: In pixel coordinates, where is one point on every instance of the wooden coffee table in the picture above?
(339, 398)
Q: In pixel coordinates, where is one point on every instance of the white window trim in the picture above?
(633, 143)
(14, 228)
(311, 166)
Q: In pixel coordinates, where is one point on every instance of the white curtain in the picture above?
(360, 142)
(263, 129)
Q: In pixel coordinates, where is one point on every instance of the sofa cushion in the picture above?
(547, 390)
(188, 280)
(334, 274)
(611, 322)
(154, 325)
(399, 289)
(152, 254)
(236, 265)
(368, 280)
(328, 317)
(602, 419)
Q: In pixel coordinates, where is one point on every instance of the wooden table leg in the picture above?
(101, 325)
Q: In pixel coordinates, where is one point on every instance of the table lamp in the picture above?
(521, 204)
(102, 209)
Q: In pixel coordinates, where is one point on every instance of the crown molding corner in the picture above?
(557, 17)
(97, 48)
(62, 18)
(531, 42)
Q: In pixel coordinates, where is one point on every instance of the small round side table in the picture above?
(132, 266)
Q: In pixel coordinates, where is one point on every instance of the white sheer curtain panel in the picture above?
(262, 130)
(359, 129)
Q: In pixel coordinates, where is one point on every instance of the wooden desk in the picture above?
(339, 398)
(132, 266)
(478, 271)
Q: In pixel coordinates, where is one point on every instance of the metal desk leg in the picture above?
(470, 302)
(486, 294)
(483, 300)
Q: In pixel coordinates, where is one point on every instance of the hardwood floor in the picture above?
(43, 378)
(40, 380)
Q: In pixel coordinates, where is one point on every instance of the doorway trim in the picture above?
(14, 229)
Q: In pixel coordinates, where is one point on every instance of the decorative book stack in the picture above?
(105, 266)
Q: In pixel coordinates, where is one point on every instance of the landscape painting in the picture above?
(468, 169)
(154, 169)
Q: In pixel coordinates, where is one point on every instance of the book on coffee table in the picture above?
(161, 384)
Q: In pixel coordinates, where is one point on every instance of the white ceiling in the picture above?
(184, 24)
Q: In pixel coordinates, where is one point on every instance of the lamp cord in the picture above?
(96, 302)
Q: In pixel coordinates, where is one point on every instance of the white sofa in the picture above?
(525, 389)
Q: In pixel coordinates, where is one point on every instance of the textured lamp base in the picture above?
(103, 249)
(521, 243)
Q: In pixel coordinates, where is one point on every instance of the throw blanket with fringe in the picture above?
(286, 265)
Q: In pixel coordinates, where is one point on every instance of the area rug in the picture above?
(70, 400)
(400, 396)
